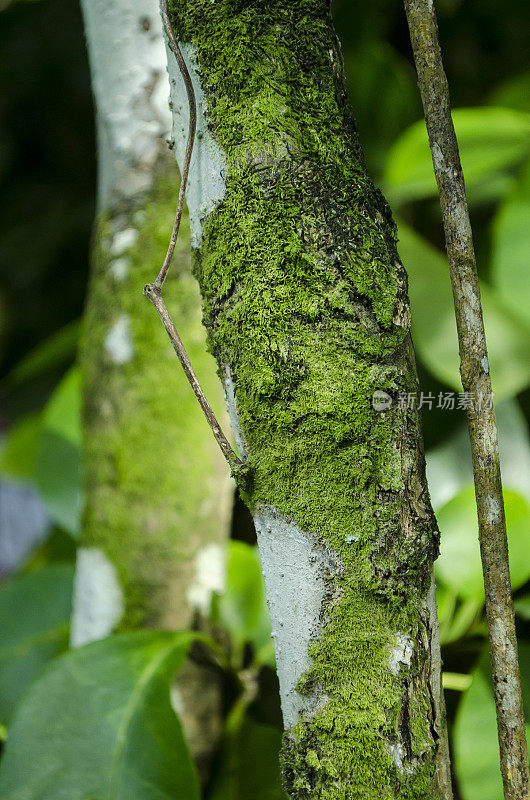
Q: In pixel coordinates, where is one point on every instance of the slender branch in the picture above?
(189, 144)
(153, 290)
(153, 293)
(474, 370)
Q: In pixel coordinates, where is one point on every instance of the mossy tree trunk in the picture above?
(305, 303)
(158, 495)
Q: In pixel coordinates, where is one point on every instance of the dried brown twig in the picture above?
(154, 290)
(474, 370)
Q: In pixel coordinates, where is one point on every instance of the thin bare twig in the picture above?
(474, 370)
(154, 290)
(154, 295)
(189, 144)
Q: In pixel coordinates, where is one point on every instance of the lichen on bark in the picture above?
(305, 304)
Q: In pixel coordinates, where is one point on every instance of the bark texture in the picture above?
(475, 375)
(157, 491)
(156, 488)
(305, 304)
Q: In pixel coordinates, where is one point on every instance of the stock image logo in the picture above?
(381, 400)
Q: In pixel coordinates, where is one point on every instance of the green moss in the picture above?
(155, 482)
(305, 303)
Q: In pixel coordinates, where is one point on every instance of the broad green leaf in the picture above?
(56, 350)
(35, 613)
(62, 414)
(449, 466)
(476, 749)
(58, 479)
(491, 188)
(58, 546)
(446, 601)
(511, 246)
(242, 609)
(459, 565)
(99, 724)
(248, 767)
(19, 448)
(457, 616)
(490, 140)
(383, 91)
(46, 450)
(431, 300)
(434, 326)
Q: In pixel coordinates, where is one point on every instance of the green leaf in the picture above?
(58, 479)
(511, 245)
(476, 749)
(54, 352)
(249, 765)
(507, 339)
(46, 450)
(20, 447)
(59, 546)
(456, 681)
(382, 87)
(434, 326)
(459, 565)
(99, 724)
(35, 613)
(457, 616)
(490, 140)
(242, 609)
(62, 414)
(449, 466)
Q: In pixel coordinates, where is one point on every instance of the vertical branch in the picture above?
(153, 290)
(474, 370)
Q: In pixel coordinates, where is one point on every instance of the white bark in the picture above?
(206, 185)
(98, 598)
(131, 91)
(128, 66)
(294, 567)
(127, 61)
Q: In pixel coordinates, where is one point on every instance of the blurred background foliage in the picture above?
(47, 176)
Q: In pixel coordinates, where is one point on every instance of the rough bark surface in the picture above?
(305, 304)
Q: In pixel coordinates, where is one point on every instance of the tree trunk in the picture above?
(305, 304)
(156, 488)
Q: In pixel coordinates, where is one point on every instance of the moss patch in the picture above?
(305, 303)
(155, 482)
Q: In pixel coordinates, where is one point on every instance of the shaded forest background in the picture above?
(47, 191)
